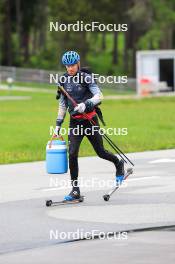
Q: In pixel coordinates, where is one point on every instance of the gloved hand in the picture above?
(57, 131)
(80, 108)
(89, 106)
(58, 94)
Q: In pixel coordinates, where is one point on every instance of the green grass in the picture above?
(107, 89)
(25, 125)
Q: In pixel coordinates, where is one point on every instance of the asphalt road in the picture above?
(33, 233)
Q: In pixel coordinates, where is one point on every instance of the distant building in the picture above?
(155, 71)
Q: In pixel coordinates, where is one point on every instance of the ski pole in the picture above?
(119, 150)
(92, 122)
(107, 139)
(111, 143)
(114, 146)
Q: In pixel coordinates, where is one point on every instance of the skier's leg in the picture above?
(74, 144)
(97, 142)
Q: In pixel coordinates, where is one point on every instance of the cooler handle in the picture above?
(59, 137)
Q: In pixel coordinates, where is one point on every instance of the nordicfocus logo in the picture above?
(80, 26)
(89, 78)
(56, 183)
(81, 234)
(88, 131)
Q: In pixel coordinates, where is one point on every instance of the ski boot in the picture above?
(120, 172)
(73, 195)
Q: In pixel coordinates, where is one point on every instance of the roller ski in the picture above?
(74, 197)
(119, 180)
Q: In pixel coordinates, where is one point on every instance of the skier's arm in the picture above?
(62, 108)
(97, 94)
(97, 97)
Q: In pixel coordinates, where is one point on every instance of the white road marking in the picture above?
(68, 187)
(54, 189)
(162, 161)
(144, 178)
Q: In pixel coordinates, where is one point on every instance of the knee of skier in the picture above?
(73, 153)
(101, 153)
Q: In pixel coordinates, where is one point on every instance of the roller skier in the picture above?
(88, 96)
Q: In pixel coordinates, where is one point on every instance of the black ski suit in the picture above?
(82, 93)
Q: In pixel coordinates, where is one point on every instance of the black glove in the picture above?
(58, 94)
(59, 122)
(89, 106)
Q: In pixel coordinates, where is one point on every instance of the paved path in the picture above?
(33, 233)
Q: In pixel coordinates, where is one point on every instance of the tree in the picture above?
(7, 33)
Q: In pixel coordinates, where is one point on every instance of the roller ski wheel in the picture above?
(106, 197)
(64, 202)
(81, 199)
(48, 203)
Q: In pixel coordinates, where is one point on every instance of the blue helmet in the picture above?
(70, 58)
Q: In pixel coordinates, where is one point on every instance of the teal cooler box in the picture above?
(56, 157)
